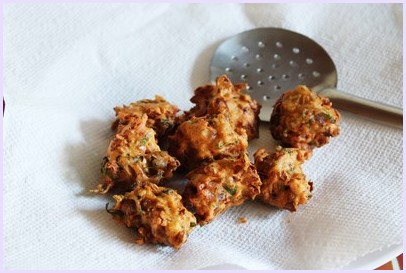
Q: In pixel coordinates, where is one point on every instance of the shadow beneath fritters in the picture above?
(85, 158)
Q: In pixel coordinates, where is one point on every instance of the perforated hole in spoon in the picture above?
(271, 61)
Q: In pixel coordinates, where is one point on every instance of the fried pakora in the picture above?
(156, 213)
(204, 139)
(134, 157)
(161, 114)
(302, 119)
(219, 185)
(226, 98)
(284, 185)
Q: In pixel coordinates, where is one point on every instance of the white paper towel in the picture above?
(67, 65)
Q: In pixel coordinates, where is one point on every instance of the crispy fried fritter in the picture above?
(219, 185)
(204, 139)
(226, 98)
(302, 119)
(284, 185)
(161, 114)
(157, 213)
(134, 157)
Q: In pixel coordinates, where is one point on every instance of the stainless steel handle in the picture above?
(381, 113)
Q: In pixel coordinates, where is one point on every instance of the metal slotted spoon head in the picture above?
(271, 61)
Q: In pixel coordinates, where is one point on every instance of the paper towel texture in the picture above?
(67, 65)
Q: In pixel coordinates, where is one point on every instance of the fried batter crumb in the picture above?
(242, 220)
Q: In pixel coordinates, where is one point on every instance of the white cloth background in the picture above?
(67, 65)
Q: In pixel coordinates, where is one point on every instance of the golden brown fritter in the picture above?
(134, 157)
(204, 139)
(226, 98)
(284, 185)
(302, 119)
(219, 185)
(161, 114)
(157, 213)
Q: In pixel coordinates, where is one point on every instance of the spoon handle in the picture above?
(378, 112)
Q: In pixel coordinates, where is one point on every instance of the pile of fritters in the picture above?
(210, 142)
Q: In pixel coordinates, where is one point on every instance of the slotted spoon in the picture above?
(273, 60)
